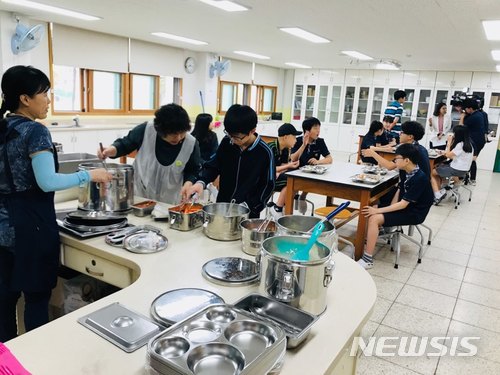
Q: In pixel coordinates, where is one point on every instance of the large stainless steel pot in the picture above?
(299, 225)
(186, 217)
(301, 284)
(252, 237)
(117, 195)
(222, 220)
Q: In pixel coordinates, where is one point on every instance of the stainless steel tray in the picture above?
(145, 242)
(369, 179)
(220, 339)
(318, 169)
(296, 323)
(120, 326)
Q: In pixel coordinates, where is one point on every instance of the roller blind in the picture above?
(156, 59)
(266, 75)
(89, 49)
(240, 71)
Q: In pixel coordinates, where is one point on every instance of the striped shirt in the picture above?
(395, 109)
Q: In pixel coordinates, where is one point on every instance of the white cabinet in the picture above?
(444, 79)
(456, 80)
(304, 101)
(481, 79)
(65, 138)
(410, 78)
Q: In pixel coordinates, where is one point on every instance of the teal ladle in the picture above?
(303, 252)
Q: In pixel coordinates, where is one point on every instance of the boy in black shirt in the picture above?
(409, 206)
(243, 161)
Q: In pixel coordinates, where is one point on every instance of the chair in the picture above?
(453, 186)
(395, 239)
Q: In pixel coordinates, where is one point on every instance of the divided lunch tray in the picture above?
(369, 179)
(314, 169)
(220, 339)
(120, 326)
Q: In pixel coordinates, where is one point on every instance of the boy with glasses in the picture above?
(409, 206)
(243, 161)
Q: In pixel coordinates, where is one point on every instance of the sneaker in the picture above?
(472, 182)
(438, 200)
(364, 264)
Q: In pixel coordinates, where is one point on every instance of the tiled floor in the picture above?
(455, 291)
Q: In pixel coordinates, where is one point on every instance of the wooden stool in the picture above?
(323, 211)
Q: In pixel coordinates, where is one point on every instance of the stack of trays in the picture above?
(220, 339)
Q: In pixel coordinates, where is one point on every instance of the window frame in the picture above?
(89, 76)
(156, 93)
(260, 99)
(219, 94)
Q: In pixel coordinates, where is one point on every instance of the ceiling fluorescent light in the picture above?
(228, 6)
(250, 54)
(498, 68)
(496, 54)
(492, 30)
(52, 9)
(388, 65)
(357, 55)
(180, 38)
(297, 31)
(295, 65)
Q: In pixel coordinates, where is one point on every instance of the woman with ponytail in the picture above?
(29, 236)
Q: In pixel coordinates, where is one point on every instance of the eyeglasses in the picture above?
(235, 137)
(394, 160)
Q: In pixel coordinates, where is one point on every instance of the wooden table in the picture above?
(337, 182)
(389, 155)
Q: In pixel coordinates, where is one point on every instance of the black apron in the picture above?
(36, 250)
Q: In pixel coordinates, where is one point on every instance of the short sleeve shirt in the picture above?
(418, 192)
(313, 150)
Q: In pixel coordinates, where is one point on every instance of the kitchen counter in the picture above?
(66, 347)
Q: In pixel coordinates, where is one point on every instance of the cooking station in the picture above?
(66, 347)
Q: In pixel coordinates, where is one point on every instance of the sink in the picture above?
(69, 162)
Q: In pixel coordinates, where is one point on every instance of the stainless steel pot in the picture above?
(184, 221)
(301, 284)
(222, 220)
(251, 237)
(117, 195)
(299, 225)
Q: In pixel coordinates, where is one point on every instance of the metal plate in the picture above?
(369, 179)
(95, 215)
(231, 270)
(94, 226)
(318, 169)
(145, 242)
(176, 305)
(121, 326)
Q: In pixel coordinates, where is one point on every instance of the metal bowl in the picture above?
(171, 347)
(251, 237)
(221, 314)
(202, 331)
(216, 358)
(251, 337)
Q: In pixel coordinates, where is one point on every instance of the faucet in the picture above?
(76, 119)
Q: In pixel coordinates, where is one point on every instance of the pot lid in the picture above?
(176, 305)
(231, 270)
(95, 215)
(145, 242)
(94, 226)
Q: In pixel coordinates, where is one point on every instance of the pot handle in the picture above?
(329, 268)
(172, 221)
(205, 223)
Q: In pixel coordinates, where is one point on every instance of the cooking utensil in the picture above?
(184, 219)
(233, 201)
(299, 225)
(220, 226)
(103, 160)
(328, 217)
(252, 236)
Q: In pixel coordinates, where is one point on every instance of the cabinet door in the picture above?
(66, 138)
(362, 109)
(86, 141)
(310, 100)
(377, 104)
(349, 104)
(410, 78)
(322, 103)
(409, 110)
(334, 115)
(462, 80)
(481, 79)
(298, 99)
(442, 96)
(494, 113)
(426, 79)
(423, 106)
(395, 78)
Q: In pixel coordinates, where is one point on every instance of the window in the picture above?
(228, 93)
(143, 92)
(266, 99)
(67, 89)
(106, 91)
(170, 90)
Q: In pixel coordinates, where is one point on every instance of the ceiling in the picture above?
(420, 34)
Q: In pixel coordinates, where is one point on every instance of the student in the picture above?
(243, 161)
(459, 149)
(168, 158)
(29, 235)
(409, 207)
(386, 138)
(370, 140)
(411, 133)
(287, 137)
(309, 149)
(395, 109)
(205, 136)
(439, 126)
